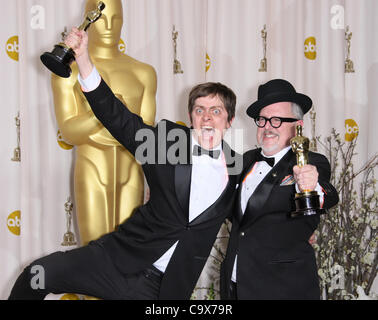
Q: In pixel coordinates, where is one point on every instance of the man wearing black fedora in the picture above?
(269, 255)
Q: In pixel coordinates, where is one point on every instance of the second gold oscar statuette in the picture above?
(59, 60)
(307, 203)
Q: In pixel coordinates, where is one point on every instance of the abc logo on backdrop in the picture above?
(122, 46)
(14, 222)
(64, 145)
(208, 62)
(351, 130)
(12, 48)
(310, 48)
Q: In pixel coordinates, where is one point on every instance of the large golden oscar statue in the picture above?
(108, 181)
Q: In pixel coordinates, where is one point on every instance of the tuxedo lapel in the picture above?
(183, 178)
(255, 205)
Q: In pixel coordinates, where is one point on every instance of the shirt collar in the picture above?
(278, 156)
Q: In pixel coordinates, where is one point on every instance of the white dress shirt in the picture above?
(209, 179)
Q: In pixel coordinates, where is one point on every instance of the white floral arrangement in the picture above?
(346, 245)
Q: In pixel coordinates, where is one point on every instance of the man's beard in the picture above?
(273, 147)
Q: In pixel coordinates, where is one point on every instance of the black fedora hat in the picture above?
(278, 90)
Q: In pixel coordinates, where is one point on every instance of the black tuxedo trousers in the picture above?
(87, 270)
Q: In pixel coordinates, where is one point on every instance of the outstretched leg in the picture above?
(87, 270)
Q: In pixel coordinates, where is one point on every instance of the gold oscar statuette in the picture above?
(313, 143)
(349, 68)
(64, 34)
(307, 202)
(263, 61)
(59, 60)
(176, 64)
(17, 150)
(68, 237)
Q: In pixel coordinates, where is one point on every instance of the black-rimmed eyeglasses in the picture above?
(275, 122)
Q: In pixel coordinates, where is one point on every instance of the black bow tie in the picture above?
(269, 161)
(198, 151)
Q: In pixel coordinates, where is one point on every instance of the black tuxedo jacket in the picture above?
(274, 258)
(164, 219)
